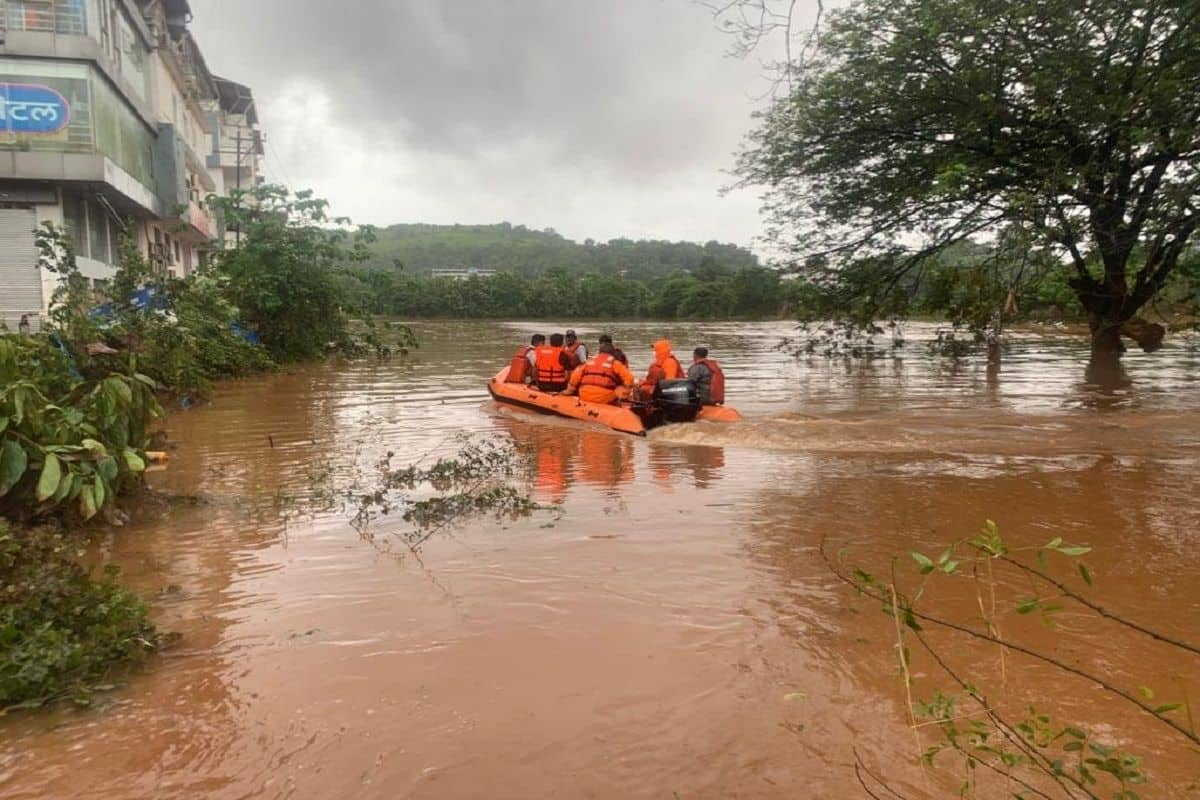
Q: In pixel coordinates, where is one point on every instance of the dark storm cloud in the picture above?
(621, 90)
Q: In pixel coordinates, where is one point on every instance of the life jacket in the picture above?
(716, 390)
(658, 372)
(571, 350)
(549, 365)
(679, 373)
(601, 372)
(520, 367)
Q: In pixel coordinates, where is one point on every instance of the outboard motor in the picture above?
(677, 400)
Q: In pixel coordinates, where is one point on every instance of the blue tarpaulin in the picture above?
(150, 298)
(141, 300)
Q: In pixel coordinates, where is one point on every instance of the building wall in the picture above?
(100, 121)
(133, 136)
(171, 107)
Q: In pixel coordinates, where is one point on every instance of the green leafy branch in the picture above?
(991, 742)
(78, 451)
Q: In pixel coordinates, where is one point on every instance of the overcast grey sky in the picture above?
(599, 118)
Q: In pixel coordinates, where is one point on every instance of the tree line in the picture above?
(515, 248)
(712, 291)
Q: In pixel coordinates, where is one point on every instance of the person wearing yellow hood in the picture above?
(666, 367)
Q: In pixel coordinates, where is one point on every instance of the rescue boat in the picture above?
(624, 417)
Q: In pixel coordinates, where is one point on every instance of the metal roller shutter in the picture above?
(20, 279)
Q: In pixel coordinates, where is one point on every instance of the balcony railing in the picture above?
(67, 17)
(199, 219)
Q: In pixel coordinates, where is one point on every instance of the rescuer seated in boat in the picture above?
(576, 350)
(602, 379)
(708, 376)
(523, 368)
(618, 353)
(666, 367)
(552, 366)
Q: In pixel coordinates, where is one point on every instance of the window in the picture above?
(67, 17)
(75, 222)
(116, 236)
(105, 15)
(98, 244)
(115, 27)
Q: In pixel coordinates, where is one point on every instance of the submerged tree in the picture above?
(916, 124)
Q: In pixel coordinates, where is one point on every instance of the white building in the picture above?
(461, 273)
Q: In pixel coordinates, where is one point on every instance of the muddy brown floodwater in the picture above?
(675, 633)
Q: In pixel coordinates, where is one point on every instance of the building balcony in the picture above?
(230, 150)
(182, 178)
(200, 221)
(66, 17)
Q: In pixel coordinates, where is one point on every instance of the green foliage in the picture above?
(516, 249)
(916, 124)
(68, 446)
(61, 631)
(72, 297)
(1033, 754)
(183, 342)
(283, 278)
(197, 343)
(1033, 744)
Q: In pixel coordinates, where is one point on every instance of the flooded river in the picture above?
(674, 632)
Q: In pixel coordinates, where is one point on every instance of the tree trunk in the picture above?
(1104, 369)
(1106, 338)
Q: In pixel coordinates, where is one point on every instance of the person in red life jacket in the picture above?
(708, 377)
(618, 353)
(601, 378)
(551, 365)
(666, 367)
(576, 350)
(524, 363)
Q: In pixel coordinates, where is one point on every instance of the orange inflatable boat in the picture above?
(621, 417)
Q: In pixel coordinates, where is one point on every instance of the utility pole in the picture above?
(239, 187)
(246, 146)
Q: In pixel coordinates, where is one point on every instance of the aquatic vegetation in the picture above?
(483, 478)
(845, 340)
(1032, 753)
(62, 630)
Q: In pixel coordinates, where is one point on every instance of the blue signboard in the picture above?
(32, 109)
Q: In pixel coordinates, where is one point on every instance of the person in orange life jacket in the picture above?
(598, 380)
(666, 367)
(708, 377)
(618, 353)
(523, 367)
(576, 350)
(551, 365)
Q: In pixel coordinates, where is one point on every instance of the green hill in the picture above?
(515, 248)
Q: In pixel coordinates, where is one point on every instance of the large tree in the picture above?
(914, 124)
